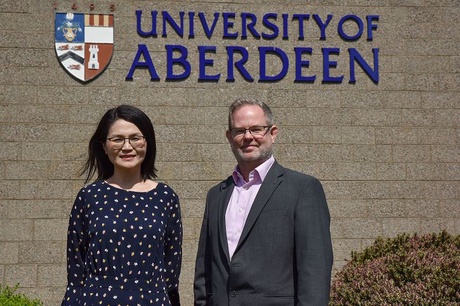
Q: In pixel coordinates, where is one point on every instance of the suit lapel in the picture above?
(226, 189)
(271, 182)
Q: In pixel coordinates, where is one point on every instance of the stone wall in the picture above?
(387, 153)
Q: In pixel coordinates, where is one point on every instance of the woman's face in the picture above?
(125, 146)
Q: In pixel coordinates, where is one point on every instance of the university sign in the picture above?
(252, 40)
(84, 43)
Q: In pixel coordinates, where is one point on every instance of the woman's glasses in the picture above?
(136, 141)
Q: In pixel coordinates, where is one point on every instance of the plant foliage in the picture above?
(406, 270)
(9, 297)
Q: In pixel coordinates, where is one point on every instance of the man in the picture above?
(265, 238)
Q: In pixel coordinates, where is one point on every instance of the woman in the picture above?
(125, 231)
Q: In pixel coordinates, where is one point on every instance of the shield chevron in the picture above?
(84, 43)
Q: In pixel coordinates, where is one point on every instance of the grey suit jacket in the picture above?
(284, 255)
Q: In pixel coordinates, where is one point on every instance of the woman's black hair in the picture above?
(98, 161)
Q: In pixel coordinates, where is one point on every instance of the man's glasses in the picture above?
(136, 141)
(255, 131)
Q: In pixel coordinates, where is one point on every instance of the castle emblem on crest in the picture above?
(84, 43)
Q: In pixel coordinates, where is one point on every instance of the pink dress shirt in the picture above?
(240, 204)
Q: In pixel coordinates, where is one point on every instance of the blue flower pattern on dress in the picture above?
(124, 248)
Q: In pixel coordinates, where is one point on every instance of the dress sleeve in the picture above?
(173, 251)
(77, 239)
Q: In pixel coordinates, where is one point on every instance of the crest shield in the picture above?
(84, 43)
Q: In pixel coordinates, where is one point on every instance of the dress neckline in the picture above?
(104, 182)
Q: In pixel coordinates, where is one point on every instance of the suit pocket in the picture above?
(277, 300)
(272, 215)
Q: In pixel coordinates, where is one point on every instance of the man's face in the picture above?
(251, 148)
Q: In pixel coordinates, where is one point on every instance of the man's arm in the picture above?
(313, 246)
(203, 263)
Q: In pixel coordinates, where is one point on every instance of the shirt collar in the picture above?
(261, 171)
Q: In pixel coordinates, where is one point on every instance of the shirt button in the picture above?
(232, 294)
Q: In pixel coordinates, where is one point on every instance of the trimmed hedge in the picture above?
(9, 297)
(406, 270)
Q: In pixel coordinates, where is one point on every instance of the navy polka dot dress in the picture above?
(124, 248)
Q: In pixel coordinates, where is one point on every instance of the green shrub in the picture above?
(406, 270)
(9, 297)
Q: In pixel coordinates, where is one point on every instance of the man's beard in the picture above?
(262, 155)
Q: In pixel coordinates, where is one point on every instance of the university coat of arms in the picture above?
(84, 43)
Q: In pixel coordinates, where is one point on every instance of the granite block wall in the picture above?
(387, 152)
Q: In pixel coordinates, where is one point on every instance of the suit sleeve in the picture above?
(313, 246)
(203, 263)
